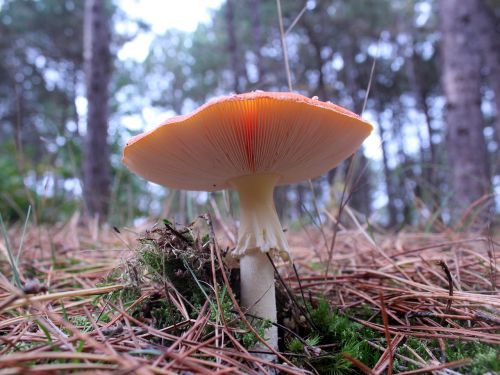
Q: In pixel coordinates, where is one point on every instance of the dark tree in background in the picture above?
(237, 66)
(97, 60)
(465, 143)
(490, 39)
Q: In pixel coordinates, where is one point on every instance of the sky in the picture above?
(162, 15)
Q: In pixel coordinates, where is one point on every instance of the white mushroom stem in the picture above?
(260, 227)
(257, 291)
(260, 232)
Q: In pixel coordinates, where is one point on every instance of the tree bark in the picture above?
(429, 163)
(318, 61)
(97, 63)
(490, 34)
(391, 195)
(465, 142)
(256, 36)
(361, 188)
(232, 47)
(182, 214)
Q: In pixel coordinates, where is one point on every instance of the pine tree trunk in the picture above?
(391, 195)
(97, 60)
(490, 34)
(361, 188)
(280, 201)
(360, 198)
(182, 214)
(465, 142)
(428, 161)
(318, 61)
(256, 37)
(232, 47)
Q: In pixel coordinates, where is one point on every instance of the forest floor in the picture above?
(115, 300)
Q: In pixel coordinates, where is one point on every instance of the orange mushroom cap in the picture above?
(279, 133)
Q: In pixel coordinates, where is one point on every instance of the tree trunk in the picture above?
(300, 203)
(318, 61)
(97, 60)
(182, 214)
(280, 201)
(391, 195)
(465, 142)
(232, 47)
(256, 37)
(360, 198)
(361, 185)
(490, 34)
(428, 163)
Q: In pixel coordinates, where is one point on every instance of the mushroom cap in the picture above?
(279, 133)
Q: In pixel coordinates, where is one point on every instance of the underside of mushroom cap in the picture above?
(286, 134)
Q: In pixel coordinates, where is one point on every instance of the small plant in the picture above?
(226, 305)
(164, 314)
(485, 358)
(340, 335)
(295, 345)
(242, 334)
(81, 322)
(177, 257)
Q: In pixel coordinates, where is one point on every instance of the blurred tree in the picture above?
(254, 9)
(461, 49)
(39, 70)
(96, 162)
(41, 80)
(237, 66)
(489, 12)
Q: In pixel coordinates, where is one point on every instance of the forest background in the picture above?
(78, 78)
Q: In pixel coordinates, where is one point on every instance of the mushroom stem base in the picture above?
(260, 228)
(258, 293)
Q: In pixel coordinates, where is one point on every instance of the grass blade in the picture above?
(12, 260)
(19, 251)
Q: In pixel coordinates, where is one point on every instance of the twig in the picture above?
(450, 283)
(429, 369)
(356, 362)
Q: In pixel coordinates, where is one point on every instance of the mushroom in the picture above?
(251, 143)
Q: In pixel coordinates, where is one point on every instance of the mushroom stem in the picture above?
(260, 228)
(260, 232)
(257, 292)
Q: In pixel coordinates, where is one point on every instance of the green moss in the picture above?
(336, 327)
(485, 358)
(164, 266)
(81, 322)
(248, 339)
(333, 364)
(242, 333)
(340, 335)
(165, 314)
(297, 346)
(205, 239)
(226, 305)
